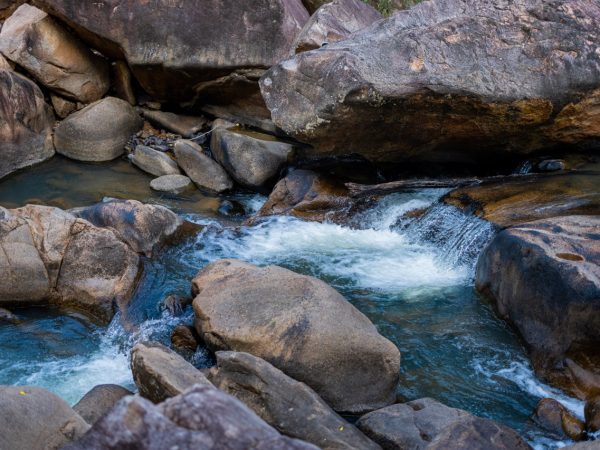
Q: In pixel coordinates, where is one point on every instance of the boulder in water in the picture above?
(99, 401)
(185, 338)
(173, 184)
(555, 418)
(206, 173)
(154, 162)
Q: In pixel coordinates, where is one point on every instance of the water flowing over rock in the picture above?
(544, 279)
(300, 325)
(99, 401)
(418, 85)
(202, 418)
(58, 60)
(25, 123)
(286, 404)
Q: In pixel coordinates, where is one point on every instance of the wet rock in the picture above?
(99, 401)
(154, 162)
(25, 123)
(405, 89)
(123, 83)
(253, 159)
(206, 173)
(98, 132)
(8, 317)
(160, 373)
(51, 257)
(291, 407)
(145, 228)
(186, 126)
(202, 417)
(551, 165)
(300, 325)
(184, 337)
(555, 418)
(173, 184)
(35, 419)
(333, 22)
(219, 66)
(592, 414)
(544, 278)
(176, 304)
(63, 107)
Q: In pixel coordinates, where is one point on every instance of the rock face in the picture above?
(301, 326)
(417, 86)
(99, 401)
(59, 61)
(286, 404)
(220, 65)
(253, 159)
(154, 162)
(25, 123)
(145, 228)
(51, 256)
(202, 418)
(98, 132)
(555, 418)
(544, 279)
(160, 373)
(206, 173)
(35, 419)
(333, 22)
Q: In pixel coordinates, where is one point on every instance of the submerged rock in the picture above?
(171, 183)
(55, 58)
(202, 418)
(286, 404)
(99, 401)
(25, 123)
(35, 419)
(154, 162)
(206, 173)
(300, 325)
(98, 132)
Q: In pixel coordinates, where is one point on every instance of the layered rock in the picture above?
(418, 86)
(99, 401)
(300, 325)
(544, 279)
(286, 404)
(55, 58)
(206, 173)
(25, 123)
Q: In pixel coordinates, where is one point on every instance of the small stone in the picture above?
(174, 184)
(154, 162)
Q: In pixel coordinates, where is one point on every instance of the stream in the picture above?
(413, 277)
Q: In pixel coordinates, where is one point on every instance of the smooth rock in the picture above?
(171, 183)
(35, 419)
(333, 22)
(206, 173)
(38, 43)
(154, 162)
(555, 418)
(123, 83)
(201, 418)
(184, 337)
(185, 126)
(291, 407)
(300, 325)
(26, 122)
(160, 373)
(99, 401)
(592, 414)
(98, 132)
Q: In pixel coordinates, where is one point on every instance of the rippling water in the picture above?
(412, 276)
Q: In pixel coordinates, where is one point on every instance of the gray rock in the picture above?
(594, 445)
(8, 317)
(98, 132)
(185, 126)
(160, 373)
(200, 418)
(154, 162)
(291, 407)
(206, 173)
(551, 165)
(171, 183)
(300, 325)
(35, 419)
(55, 58)
(26, 122)
(99, 401)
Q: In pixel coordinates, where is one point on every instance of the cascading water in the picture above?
(412, 274)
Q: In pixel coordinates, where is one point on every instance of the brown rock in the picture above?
(99, 401)
(123, 83)
(63, 107)
(185, 126)
(184, 337)
(592, 414)
(555, 418)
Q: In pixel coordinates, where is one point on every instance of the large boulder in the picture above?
(222, 64)
(160, 373)
(286, 404)
(205, 172)
(50, 256)
(154, 162)
(300, 325)
(35, 41)
(555, 418)
(201, 418)
(98, 132)
(35, 419)
(544, 279)
(418, 86)
(99, 401)
(26, 122)
(333, 22)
